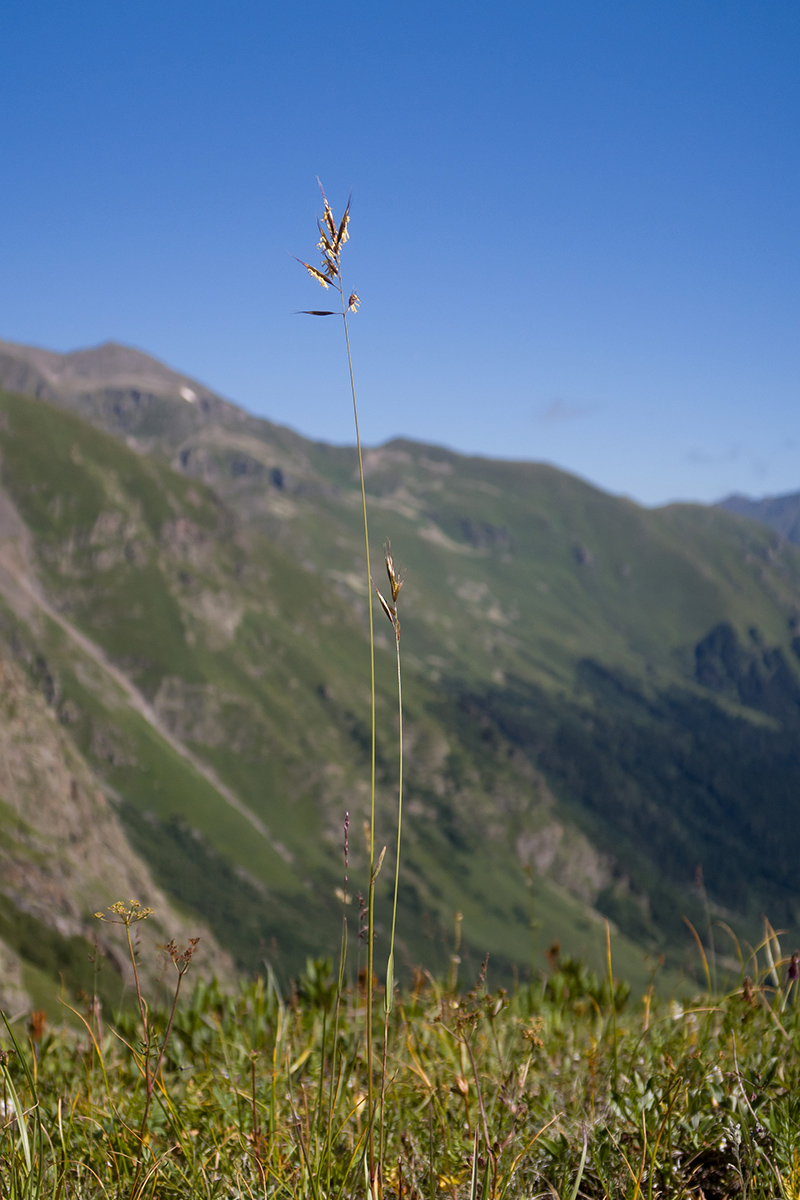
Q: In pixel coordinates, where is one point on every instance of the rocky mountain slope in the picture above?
(63, 855)
(600, 698)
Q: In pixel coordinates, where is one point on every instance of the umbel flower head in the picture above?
(332, 236)
(125, 914)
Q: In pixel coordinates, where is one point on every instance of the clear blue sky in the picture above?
(575, 222)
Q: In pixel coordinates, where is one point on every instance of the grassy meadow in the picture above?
(566, 1086)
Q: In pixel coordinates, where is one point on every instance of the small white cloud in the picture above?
(713, 458)
(564, 410)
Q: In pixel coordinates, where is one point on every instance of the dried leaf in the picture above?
(315, 312)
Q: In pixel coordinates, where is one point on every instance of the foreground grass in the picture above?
(553, 1090)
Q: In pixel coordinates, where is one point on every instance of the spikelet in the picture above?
(313, 272)
(396, 578)
(328, 217)
(342, 235)
(387, 608)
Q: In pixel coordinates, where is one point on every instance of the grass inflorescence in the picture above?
(333, 235)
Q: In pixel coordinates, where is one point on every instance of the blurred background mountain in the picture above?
(603, 700)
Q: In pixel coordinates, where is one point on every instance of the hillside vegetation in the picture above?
(566, 1087)
(600, 699)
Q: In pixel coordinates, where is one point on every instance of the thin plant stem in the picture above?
(142, 1005)
(383, 1087)
(334, 1088)
(613, 1001)
(371, 893)
(152, 1076)
(396, 583)
(390, 971)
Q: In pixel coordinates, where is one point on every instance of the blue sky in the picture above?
(574, 229)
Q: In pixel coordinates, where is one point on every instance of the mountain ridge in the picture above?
(781, 513)
(215, 560)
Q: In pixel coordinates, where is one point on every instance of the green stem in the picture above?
(390, 970)
(371, 894)
(388, 997)
(152, 1079)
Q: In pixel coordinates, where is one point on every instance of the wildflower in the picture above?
(125, 914)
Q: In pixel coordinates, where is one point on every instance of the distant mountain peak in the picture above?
(781, 513)
(109, 365)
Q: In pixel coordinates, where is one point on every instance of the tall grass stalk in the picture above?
(332, 237)
(390, 608)
(396, 578)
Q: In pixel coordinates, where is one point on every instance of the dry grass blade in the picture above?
(696, 937)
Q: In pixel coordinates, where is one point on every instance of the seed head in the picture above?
(332, 236)
(181, 958)
(396, 578)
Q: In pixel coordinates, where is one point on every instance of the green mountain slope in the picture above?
(249, 739)
(603, 696)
